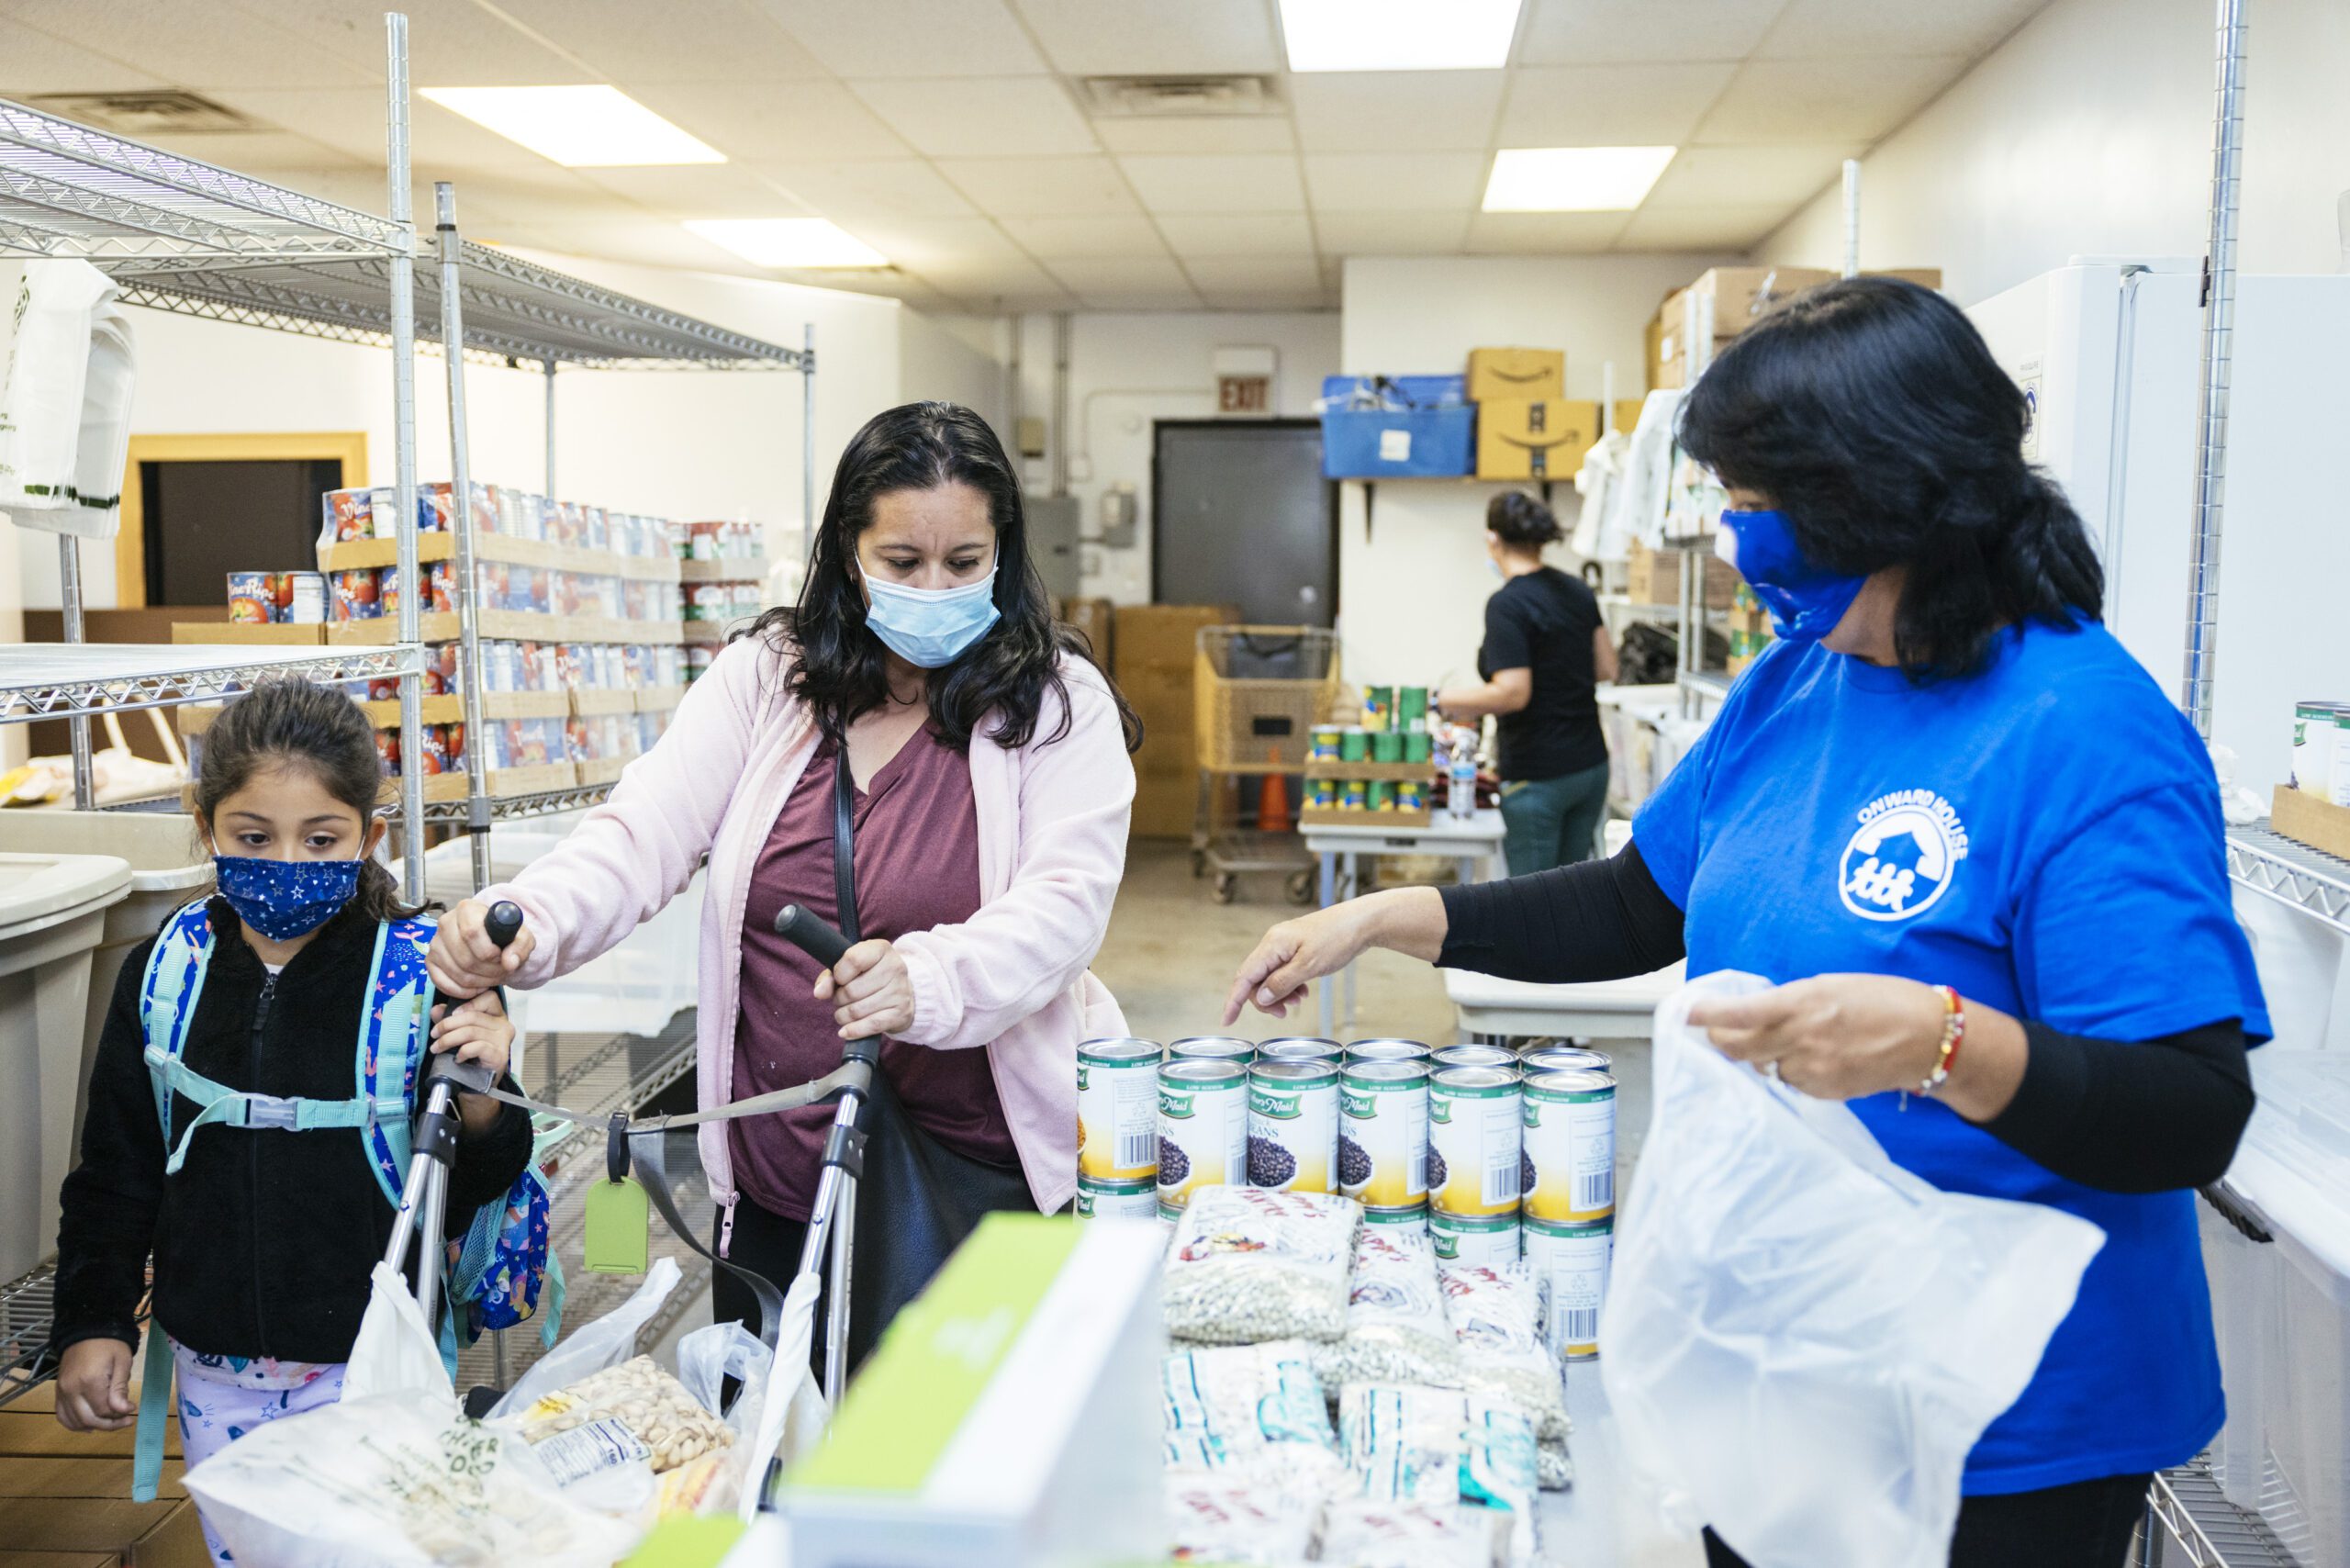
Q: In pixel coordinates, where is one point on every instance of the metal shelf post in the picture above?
(402, 278)
(807, 443)
(69, 597)
(461, 504)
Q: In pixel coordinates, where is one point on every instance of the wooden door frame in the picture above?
(293, 446)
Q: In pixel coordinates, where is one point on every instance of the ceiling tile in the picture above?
(1400, 111)
(1076, 238)
(807, 120)
(1042, 188)
(1396, 182)
(917, 245)
(1812, 101)
(1196, 235)
(549, 194)
(1711, 176)
(1139, 299)
(983, 279)
(890, 189)
(1155, 38)
(698, 190)
(275, 153)
(451, 43)
(1130, 274)
(911, 38)
(981, 117)
(646, 240)
(1243, 182)
(1544, 233)
(1832, 29)
(1270, 274)
(1391, 233)
(442, 144)
(1221, 133)
(192, 46)
(629, 42)
(32, 62)
(1248, 299)
(1613, 32)
(1609, 106)
(1726, 226)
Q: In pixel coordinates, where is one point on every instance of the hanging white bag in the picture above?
(393, 1476)
(1802, 1340)
(65, 402)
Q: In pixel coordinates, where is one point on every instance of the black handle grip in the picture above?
(817, 938)
(504, 922)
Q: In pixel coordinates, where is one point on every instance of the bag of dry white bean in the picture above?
(1254, 1263)
(1498, 1316)
(1396, 1329)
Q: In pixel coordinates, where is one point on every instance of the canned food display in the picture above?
(1569, 1123)
(1574, 1259)
(1383, 1132)
(302, 598)
(1387, 1050)
(1203, 1126)
(1382, 797)
(1320, 795)
(1354, 796)
(1294, 1125)
(1484, 1241)
(1411, 706)
(1354, 744)
(1387, 746)
(1117, 1110)
(1301, 1047)
(1215, 1047)
(1323, 743)
(1474, 1159)
(1117, 1200)
(356, 595)
(1378, 708)
(1416, 745)
(251, 600)
(1411, 795)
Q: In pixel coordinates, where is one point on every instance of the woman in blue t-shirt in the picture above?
(1980, 849)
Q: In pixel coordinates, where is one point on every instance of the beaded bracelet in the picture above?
(1954, 1036)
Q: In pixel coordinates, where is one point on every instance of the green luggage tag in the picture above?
(619, 1238)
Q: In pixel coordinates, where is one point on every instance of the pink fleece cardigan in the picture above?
(1012, 980)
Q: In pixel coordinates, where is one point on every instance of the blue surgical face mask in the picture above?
(931, 627)
(285, 898)
(1806, 602)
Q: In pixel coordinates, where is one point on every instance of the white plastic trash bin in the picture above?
(53, 915)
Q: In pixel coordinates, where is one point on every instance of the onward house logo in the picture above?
(1903, 857)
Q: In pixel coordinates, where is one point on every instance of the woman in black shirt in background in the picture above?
(1546, 648)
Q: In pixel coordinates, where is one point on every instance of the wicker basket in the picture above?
(1258, 691)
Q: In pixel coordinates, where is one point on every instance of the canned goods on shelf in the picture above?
(1487, 1241)
(1294, 1125)
(1474, 1159)
(251, 600)
(1320, 795)
(1214, 1047)
(1354, 744)
(1570, 1129)
(1575, 1259)
(1117, 1110)
(1324, 743)
(1378, 708)
(1474, 1055)
(1411, 704)
(302, 598)
(1386, 1050)
(1354, 796)
(1383, 1133)
(1203, 1126)
(1381, 795)
(1387, 746)
(1117, 1200)
(1416, 745)
(1411, 795)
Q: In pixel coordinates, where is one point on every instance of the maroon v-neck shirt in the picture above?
(917, 859)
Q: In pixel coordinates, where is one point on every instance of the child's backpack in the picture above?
(495, 1275)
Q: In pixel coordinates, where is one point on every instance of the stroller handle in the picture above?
(812, 934)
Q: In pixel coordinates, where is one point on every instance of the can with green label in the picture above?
(1214, 1047)
(1411, 704)
(1387, 746)
(1294, 1125)
(1301, 1048)
(1474, 1055)
(1416, 745)
(1354, 744)
(1570, 1131)
(1487, 1241)
(1324, 743)
(1378, 708)
(1387, 1050)
(1117, 1110)
(1354, 796)
(1117, 1200)
(1203, 1126)
(1563, 1059)
(1381, 795)
(1473, 1154)
(1415, 1217)
(1383, 1133)
(1574, 1259)
(1320, 795)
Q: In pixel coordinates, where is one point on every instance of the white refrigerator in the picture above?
(2109, 353)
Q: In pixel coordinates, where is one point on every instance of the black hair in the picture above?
(1871, 411)
(1521, 522)
(293, 722)
(838, 667)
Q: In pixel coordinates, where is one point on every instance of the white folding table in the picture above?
(1474, 842)
(1492, 1008)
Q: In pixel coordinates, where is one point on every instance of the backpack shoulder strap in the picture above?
(394, 1025)
(168, 992)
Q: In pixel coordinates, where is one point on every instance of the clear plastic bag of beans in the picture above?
(1497, 1322)
(1396, 1328)
(1252, 1410)
(1251, 1264)
(1223, 1520)
(1369, 1533)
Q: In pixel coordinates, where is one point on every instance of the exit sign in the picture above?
(1244, 394)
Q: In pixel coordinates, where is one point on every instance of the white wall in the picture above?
(2089, 133)
(947, 362)
(1412, 588)
(1129, 369)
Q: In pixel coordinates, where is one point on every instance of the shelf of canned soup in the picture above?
(1384, 1259)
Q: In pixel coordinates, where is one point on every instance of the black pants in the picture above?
(2086, 1525)
(765, 1243)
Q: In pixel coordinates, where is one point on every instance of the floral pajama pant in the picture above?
(223, 1397)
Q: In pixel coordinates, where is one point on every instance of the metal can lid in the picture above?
(1569, 1230)
(1118, 1051)
(1202, 1073)
(1213, 1046)
(1475, 1079)
(1556, 1057)
(1571, 1080)
(1306, 1046)
(1293, 1074)
(1134, 1189)
(1386, 1074)
(1476, 1055)
(1386, 1050)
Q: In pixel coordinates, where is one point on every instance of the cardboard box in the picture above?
(59, 1476)
(1521, 437)
(2311, 819)
(1092, 617)
(1654, 577)
(161, 1534)
(1154, 646)
(1536, 375)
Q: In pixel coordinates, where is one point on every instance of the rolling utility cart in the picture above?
(1258, 691)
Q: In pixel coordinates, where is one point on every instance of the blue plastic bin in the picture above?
(1397, 427)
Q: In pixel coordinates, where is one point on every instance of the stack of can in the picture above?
(1475, 1163)
(1117, 1128)
(1569, 1153)
(1383, 1130)
(1394, 730)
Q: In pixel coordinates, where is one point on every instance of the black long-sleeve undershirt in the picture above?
(2121, 1116)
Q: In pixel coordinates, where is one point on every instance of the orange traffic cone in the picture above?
(1272, 800)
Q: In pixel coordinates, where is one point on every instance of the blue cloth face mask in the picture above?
(285, 898)
(1806, 602)
(931, 627)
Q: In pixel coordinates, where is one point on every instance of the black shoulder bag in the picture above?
(919, 1199)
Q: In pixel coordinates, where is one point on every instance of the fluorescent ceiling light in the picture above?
(1574, 179)
(789, 241)
(580, 127)
(1398, 35)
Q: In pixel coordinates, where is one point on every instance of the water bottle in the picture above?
(1461, 794)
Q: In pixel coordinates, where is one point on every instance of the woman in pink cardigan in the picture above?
(991, 784)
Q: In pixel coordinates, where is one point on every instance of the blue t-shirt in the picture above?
(2044, 836)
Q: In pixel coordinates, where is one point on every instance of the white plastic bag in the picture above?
(1802, 1340)
(393, 1476)
(592, 1347)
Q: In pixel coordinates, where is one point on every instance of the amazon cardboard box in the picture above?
(1497, 374)
(1154, 647)
(1091, 616)
(1520, 438)
(1654, 577)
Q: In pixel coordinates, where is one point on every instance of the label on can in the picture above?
(1383, 1133)
(1382, 796)
(306, 599)
(1203, 1126)
(1570, 1130)
(2338, 763)
(1321, 794)
(1354, 796)
(1294, 1125)
(1474, 1155)
(1411, 795)
(1487, 1241)
(251, 600)
(1117, 1200)
(2312, 741)
(1117, 1110)
(1413, 1218)
(1574, 1259)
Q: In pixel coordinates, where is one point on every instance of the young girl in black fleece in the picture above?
(265, 1239)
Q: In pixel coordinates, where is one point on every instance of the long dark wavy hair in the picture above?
(838, 667)
(1871, 411)
(293, 722)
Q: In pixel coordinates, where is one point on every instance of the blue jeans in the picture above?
(1552, 821)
